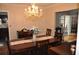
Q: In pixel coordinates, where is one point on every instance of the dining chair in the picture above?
(42, 47)
(48, 32)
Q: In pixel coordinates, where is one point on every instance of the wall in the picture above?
(17, 20)
(51, 10)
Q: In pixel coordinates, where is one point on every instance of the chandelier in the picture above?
(33, 10)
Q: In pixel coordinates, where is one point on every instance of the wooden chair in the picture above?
(42, 47)
(48, 32)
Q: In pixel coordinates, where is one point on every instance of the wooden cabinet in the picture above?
(26, 34)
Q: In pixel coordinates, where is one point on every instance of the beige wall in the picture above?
(17, 19)
(51, 10)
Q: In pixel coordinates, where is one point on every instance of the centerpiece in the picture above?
(35, 32)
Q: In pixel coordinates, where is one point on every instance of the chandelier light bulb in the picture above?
(33, 10)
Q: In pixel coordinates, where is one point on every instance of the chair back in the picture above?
(42, 43)
(48, 32)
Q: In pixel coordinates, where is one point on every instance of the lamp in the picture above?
(33, 10)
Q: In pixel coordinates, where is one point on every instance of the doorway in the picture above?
(69, 21)
(4, 33)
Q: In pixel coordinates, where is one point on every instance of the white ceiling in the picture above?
(44, 4)
(39, 4)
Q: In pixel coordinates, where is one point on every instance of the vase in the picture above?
(34, 39)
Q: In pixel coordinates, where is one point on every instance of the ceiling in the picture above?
(39, 4)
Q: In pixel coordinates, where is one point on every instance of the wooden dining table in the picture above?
(60, 50)
(20, 44)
